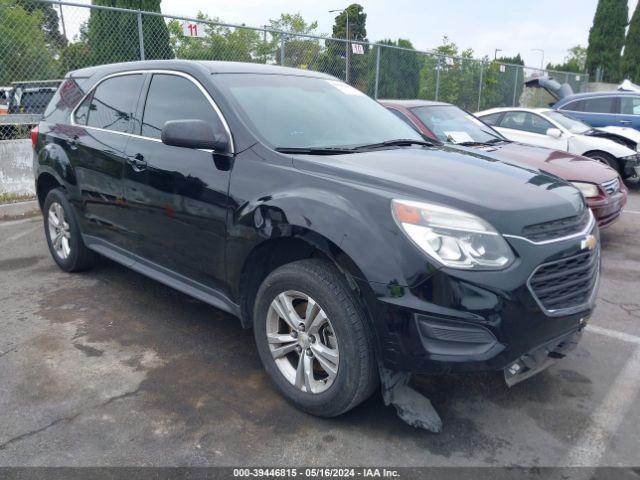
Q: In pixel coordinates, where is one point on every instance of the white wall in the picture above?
(16, 167)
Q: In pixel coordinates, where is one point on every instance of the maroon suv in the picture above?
(601, 186)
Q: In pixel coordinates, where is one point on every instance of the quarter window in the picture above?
(82, 112)
(491, 119)
(113, 103)
(172, 97)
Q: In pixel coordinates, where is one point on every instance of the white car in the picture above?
(615, 146)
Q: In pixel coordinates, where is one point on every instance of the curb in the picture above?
(12, 211)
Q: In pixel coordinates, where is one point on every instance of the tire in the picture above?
(605, 158)
(67, 249)
(346, 328)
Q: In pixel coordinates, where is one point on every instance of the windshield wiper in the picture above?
(488, 142)
(400, 142)
(315, 150)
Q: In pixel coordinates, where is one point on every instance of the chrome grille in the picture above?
(611, 187)
(567, 284)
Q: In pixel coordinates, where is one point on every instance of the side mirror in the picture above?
(194, 134)
(554, 132)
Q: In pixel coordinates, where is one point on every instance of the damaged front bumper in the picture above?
(541, 358)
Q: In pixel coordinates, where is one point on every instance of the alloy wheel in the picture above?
(302, 342)
(59, 232)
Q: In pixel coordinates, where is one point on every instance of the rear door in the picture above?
(176, 198)
(629, 111)
(97, 151)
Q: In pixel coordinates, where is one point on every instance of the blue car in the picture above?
(598, 109)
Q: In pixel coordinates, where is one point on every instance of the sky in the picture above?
(514, 26)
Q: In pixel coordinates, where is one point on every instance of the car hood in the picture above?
(508, 196)
(625, 135)
(563, 164)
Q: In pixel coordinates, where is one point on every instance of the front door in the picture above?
(527, 127)
(176, 198)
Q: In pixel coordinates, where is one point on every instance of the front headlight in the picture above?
(588, 190)
(454, 238)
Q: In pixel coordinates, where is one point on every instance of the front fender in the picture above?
(362, 230)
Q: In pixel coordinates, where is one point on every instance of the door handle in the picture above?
(137, 162)
(625, 122)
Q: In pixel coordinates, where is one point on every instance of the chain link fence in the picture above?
(36, 52)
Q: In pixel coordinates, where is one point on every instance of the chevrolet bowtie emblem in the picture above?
(589, 243)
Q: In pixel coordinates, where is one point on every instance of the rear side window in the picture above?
(172, 97)
(630, 105)
(592, 105)
(114, 102)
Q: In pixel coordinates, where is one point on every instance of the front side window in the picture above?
(289, 111)
(525, 121)
(630, 105)
(452, 124)
(114, 102)
(172, 97)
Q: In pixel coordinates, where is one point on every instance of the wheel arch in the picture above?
(277, 251)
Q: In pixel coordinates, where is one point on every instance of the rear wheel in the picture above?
(605, 158)
(63, 234)
(314, 339)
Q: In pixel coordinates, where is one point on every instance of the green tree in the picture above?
(575, 61)
(458, 74)
(606, 39)
(49, 21)
(24, 51)
(299, 52)
(220, 43)
(334, 62)
(503, 82)
(631, 57)
(113, 36)
(399, 74)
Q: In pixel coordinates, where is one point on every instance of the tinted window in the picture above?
(114, 102)
(174, 98)
(491, 119)
(82, 112)
(525, 121)
(593, 105)
(630, 105)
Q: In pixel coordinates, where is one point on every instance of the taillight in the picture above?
(34, 136)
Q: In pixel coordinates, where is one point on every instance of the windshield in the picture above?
(453, 125)
(570, 123)
(289, 111)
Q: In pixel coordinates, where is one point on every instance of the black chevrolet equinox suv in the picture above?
(354, 249)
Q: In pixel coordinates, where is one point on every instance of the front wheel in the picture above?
(314, 339)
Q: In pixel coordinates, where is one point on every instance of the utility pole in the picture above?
(495, 53)
(347, 43)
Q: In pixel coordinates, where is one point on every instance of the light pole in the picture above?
(495, 53)
(347, 44)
